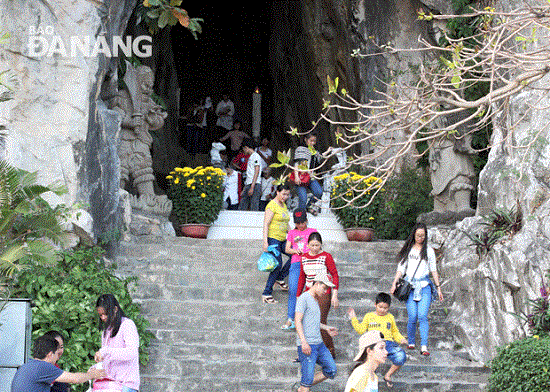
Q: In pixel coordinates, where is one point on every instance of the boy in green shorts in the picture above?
(383, 321)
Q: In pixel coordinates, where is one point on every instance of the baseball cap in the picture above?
(300, 215)
(368, 339)
(323, 277)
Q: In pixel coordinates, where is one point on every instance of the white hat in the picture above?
(323, 277)
(368, 339)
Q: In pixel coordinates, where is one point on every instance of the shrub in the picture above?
(355, 200)
(196, 193)
(523, 365)
(64, 297)
(407, 195)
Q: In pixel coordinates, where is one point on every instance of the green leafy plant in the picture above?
(355, 200)
(64, 297)
(161, 13)
(28, 224)
(499, 223)
(407, 196)
(538, 318)
(196, 193)
(523, 365)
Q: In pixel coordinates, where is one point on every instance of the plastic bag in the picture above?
(268, 260)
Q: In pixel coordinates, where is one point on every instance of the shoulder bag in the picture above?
(403, 288)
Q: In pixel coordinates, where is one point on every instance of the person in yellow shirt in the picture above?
(383, 321)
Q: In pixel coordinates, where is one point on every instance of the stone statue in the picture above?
(140, 114)
(452, 172)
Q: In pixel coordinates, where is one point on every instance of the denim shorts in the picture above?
(395, 353)
(319, 354)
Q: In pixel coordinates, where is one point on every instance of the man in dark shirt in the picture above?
(38, 374)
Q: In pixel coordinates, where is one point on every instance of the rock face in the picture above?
(57, 123)
(490, 287)
(47, 120)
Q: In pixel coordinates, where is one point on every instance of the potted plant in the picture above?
(196, 195)
(355, 200)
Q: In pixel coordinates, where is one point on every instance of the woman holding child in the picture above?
(416, 261)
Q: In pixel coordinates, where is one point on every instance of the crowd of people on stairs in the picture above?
(313, 285)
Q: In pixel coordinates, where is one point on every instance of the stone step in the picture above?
(203, 301)
(249, 224)
(415, 374)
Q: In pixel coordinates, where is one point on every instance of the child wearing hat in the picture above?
(372, 353)
(296, 245)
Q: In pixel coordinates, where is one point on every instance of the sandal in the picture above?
(268, 299)
(282, 285)
(411, 346)
(424, 353)
(389, 384)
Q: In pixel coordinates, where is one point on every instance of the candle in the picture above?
(256, 113)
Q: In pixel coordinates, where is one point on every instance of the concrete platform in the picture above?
(248, 225)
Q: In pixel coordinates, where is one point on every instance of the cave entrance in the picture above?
(230, 55)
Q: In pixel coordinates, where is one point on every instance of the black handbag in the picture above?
(403, 288)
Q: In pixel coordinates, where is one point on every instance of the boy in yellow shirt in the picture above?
(383, 321)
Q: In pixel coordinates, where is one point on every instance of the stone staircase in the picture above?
(203, 301)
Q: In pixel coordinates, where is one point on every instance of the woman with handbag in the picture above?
(275, 229)
(416, 261)
(309, 158)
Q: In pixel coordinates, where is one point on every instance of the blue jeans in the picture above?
(127, 389)
(417, 311)
(319, 354)
(252, 202)
(281, 271)
(395, 353)
(315, 188)
(293, 275)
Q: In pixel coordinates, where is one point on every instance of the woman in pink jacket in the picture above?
(119, 353)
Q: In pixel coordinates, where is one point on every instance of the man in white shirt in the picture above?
(250, 196)
(225, 111)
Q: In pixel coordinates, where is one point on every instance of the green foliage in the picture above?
(407, 195)
(498, 223)
(26, 220)
(196, 193)
(161, 13)
(523, 365)
(538, 319)
(64, 297)
(356, 200)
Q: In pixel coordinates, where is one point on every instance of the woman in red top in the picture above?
(313, 262)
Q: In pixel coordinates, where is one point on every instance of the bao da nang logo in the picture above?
(44, 42)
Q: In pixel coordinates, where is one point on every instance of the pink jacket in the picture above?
(121, 354)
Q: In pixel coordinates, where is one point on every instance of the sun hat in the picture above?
(368, 339)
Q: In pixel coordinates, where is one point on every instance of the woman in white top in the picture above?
(372, 353)
(416, 261)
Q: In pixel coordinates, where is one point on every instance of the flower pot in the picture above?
(359, 234)
(195, 230)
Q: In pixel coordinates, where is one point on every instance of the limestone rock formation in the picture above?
(488, 288)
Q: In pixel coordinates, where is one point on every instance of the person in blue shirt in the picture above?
(39, 373)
